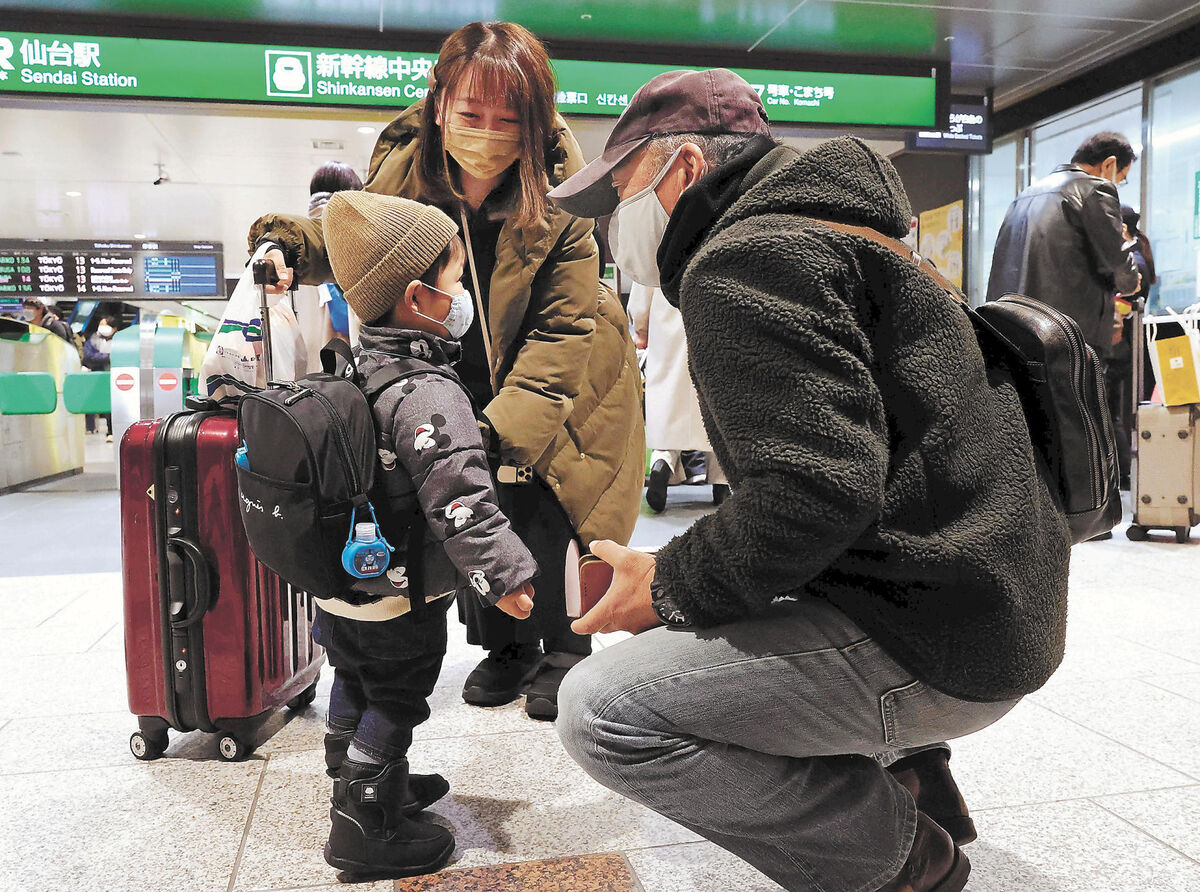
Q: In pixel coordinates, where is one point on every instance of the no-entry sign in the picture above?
(168, 381)
(124, 381)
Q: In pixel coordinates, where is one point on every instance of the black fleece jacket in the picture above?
(873, 461)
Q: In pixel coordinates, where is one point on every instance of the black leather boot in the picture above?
(371, 837)
(500, 677)
(935, 863)
(656, 486)
(927, 777)
(541, 694)
(423, 789)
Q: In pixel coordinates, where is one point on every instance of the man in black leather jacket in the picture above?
(1062, 242)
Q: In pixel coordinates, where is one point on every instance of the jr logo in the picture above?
(6, 51)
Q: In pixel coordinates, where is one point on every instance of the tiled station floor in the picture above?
(1090, 785)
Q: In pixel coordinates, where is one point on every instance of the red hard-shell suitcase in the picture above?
(213, 640)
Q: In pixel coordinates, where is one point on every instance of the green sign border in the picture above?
(143, 68)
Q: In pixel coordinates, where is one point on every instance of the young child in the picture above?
(401, 265)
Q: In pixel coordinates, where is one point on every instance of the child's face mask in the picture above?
(460, 316)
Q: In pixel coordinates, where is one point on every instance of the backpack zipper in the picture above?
(1080, 374)
(342, 438)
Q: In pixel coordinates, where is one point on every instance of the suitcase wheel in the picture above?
(147, 747)
(1136, 533)
(232, 749)
(305, 697)
(1183, 534)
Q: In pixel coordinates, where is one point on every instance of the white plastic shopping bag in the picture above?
(233, 365)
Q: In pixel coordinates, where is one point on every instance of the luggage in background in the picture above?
(213, 639)
(1166, 481)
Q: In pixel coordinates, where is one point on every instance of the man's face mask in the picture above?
(636, 231)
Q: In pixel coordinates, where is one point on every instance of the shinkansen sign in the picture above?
(238, 72)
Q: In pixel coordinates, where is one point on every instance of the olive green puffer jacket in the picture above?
(569, 391)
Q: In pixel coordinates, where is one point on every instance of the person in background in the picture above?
(1119, 375)
(890, 568)
(321, 309)
(549, 357)
(97, 350)
(1063, 243)
(673, 423)
(41, 312)
(1062, 240)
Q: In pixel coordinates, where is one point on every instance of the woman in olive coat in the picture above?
(549, 359)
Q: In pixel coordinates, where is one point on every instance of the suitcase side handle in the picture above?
(201, 579)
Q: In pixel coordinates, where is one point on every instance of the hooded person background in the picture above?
(890, 569)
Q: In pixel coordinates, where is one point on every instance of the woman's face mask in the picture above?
(483, 154)
(105, 331)
(636, 230)
(460, 315)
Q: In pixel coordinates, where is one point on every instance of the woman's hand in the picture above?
(518, 604)
(626, 606)
(282, 270)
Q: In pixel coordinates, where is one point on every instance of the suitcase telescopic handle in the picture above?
(201, 579)
(265, 274)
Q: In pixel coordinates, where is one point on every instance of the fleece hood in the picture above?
(842, 179)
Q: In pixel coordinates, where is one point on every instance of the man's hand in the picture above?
(518, 604)
(626, 605)
(282, 270)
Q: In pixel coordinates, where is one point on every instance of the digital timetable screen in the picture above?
(110, 269)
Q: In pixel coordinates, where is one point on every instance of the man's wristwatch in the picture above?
(666, 607)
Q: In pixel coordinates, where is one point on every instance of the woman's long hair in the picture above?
(505, 64)
(1132, 218)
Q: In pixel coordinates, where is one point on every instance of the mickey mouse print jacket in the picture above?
(431, 454)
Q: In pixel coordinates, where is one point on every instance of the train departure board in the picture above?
(111, 270)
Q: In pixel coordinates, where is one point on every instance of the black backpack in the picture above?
(306, 474)
(1061, 386)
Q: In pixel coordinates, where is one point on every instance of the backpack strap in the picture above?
(336, 357)
(418, 598)
(899, 248)
(385, 377)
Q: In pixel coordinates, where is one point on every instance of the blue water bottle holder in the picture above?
(367, 552)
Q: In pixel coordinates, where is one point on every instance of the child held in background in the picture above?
(401, 265)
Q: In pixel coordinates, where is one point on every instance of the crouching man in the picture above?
(890, 571)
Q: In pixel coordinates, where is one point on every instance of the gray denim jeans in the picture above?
(769, 737)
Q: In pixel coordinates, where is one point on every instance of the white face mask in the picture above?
(636, 231)
(105, 331)
(28, 315)
(461, 314)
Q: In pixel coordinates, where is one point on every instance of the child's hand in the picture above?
(518, 604)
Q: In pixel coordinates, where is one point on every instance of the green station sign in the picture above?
(123, 67)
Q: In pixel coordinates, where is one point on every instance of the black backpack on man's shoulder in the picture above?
(1061, 386)
(306, 474)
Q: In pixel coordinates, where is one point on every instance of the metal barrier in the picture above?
(39, 438)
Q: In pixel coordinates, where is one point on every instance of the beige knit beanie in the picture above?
(377, 244)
